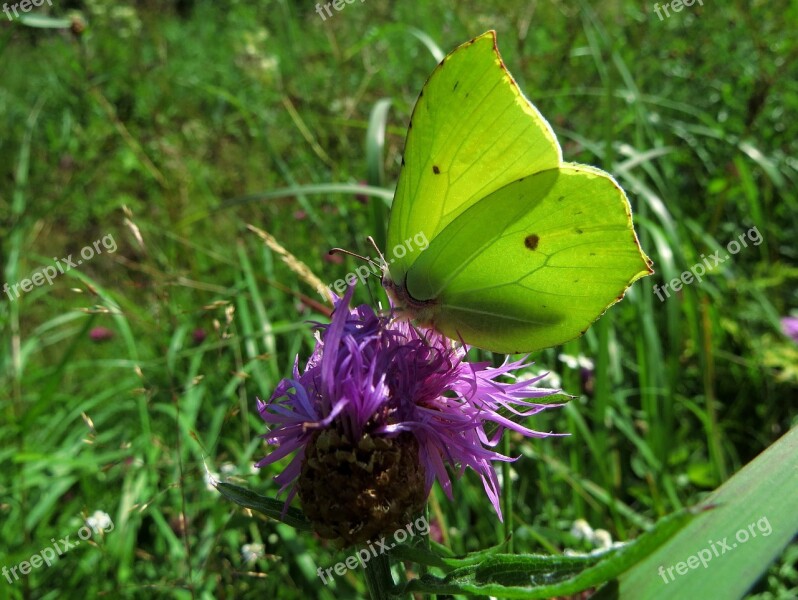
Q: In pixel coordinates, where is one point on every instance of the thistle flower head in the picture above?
(379, 411)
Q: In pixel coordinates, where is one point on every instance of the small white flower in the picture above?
(228, 468)
(252, 552)
(549, 378)
(581, 361)
(569, 361)
(552, 380)
(268, 64)
(500, 475)
(99, 521)
(582, 530)
(601, 539)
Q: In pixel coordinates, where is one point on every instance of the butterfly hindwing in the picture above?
(533, 264)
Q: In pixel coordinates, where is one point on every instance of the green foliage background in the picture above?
(152, 120)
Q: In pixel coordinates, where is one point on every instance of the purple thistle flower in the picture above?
(375, 384)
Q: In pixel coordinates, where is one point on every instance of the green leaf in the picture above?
(375, 159)
(267, 506)
(532, 576)
(317, 189)
(419, 555)
(758, 501)
(45, 22)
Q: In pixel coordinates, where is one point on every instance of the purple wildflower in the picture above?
(198, 335)
(790, 327)
(100, 334)
(375, 378)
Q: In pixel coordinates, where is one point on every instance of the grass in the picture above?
(169, 129)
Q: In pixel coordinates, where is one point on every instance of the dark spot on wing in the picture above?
(531, 241)
(436, 170)
(561, 198)
(577, 230)
(456, 83)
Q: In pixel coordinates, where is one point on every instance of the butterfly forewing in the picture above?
(471, 133)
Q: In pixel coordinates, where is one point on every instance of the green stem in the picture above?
(424, 569)
(379, 580)
(507, 496)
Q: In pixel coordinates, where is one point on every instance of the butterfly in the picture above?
(525, 251)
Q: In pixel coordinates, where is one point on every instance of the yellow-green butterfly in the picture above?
(525, 250)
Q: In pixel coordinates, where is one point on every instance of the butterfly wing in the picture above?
(471, 132)
(533, 264)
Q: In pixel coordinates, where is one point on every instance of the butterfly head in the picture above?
(421, 312)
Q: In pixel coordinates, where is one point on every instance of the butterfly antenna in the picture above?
(374, 245)
(333, 251)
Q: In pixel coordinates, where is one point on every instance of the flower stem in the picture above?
(379, 580)
(507, 497)
(423, 569)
